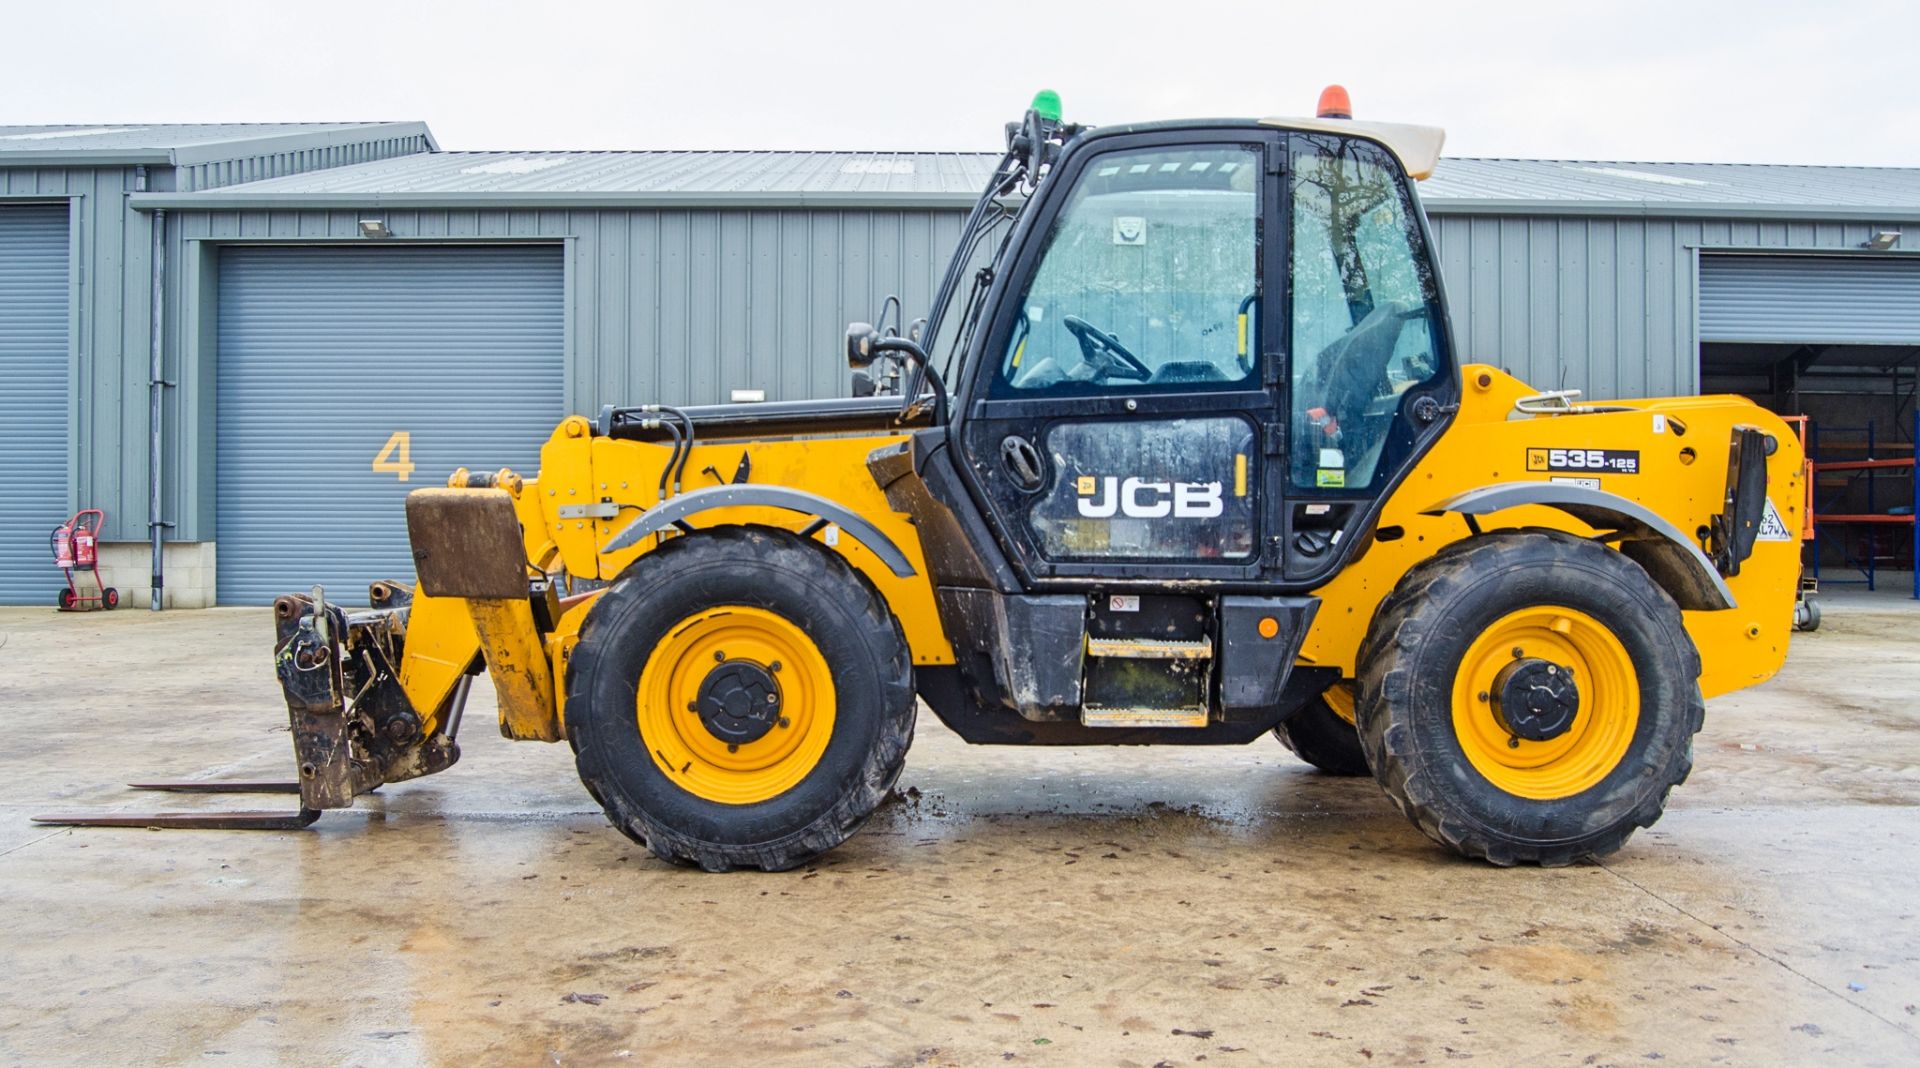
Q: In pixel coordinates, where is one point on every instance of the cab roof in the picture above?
(1417, 147)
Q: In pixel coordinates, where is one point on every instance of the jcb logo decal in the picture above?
(1137, 498)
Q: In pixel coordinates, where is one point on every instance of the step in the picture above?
(1101, 716)
(1150, 648)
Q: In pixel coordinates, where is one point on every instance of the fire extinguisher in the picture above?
(63, 546)
(76, 548)
(86, 553)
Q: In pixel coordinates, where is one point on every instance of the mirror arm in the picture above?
(916, 358)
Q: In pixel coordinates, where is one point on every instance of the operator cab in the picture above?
(1204, 351)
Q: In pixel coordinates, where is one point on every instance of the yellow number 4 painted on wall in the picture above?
(396, 455)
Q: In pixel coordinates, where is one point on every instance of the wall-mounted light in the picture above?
(1882, 241)
(375, 229)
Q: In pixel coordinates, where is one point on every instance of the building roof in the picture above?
(925, 179)
(954, 179)
(1597, 187)
(178, 144)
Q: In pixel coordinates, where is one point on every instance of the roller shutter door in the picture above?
(33, 398)
(327, 357)
(1833, 300)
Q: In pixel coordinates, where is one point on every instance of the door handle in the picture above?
(1022, 461)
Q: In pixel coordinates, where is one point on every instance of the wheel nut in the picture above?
(1518, 652)
(784, 721)
(733, 748)
(775, 666)
(721, 657)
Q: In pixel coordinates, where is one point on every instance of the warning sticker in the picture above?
(1772, 528)
(1600, 461)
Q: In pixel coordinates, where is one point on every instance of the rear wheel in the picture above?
(1322, 733)
(64, 599)
(740, 697)
(1529, 697)
(110, 597)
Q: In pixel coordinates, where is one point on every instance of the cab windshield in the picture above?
(1148, 278)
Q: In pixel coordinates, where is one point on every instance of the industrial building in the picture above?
(345, 312)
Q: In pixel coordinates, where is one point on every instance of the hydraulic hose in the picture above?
(680, 472)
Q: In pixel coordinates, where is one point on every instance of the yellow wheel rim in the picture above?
(676, 680)
(1604, 720)
(1339, 697)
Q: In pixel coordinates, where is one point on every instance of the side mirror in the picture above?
(863, 343)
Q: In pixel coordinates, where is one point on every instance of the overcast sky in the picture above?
(1760, 81)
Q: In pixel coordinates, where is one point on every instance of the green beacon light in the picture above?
(1046, 104)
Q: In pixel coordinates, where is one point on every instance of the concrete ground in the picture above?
(1145, 906)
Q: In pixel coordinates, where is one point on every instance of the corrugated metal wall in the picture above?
(108, 444)
(33, 394)
(1604, 305)
(675, 307)
(684, 306)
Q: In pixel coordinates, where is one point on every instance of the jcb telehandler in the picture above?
(1182, 454)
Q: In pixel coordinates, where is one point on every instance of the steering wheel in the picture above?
(1105, 352)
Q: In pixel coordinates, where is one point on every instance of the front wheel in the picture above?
(740, 697)
(1529, 697)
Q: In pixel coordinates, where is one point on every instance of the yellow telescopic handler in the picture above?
(1182, 453)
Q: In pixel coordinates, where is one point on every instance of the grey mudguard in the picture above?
(693, 502)
(1673, 560)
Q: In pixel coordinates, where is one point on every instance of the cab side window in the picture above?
(1148, 278)
(1365, 323)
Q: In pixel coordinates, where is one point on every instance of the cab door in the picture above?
(1121, 413)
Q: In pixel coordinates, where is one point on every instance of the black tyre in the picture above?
(740, 697)
(1321, 736)
(110, 597)
(1529, 697)
(64, 599)
(1806, 616)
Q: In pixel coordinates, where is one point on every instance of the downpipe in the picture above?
(156, 390)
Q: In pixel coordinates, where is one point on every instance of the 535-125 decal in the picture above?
(1592, 461)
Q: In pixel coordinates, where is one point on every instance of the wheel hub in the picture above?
(1535, 699)
(739, 702)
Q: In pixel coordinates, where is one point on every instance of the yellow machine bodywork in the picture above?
(1682, 445)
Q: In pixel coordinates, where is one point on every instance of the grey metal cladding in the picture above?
(1856, 300)
(691, 274)
(325, 354)
(33, 397)
(1600, 304)
(105, 412)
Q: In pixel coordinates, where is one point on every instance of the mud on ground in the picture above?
(1067, 907)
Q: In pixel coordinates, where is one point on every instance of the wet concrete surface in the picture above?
(1070, 907)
